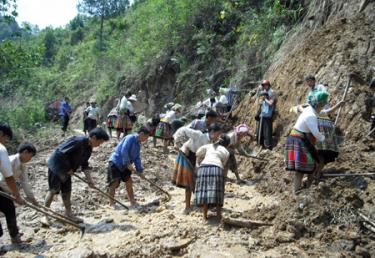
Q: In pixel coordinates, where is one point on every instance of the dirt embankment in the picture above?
(322, 220)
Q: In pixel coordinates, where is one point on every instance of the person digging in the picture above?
(64, 162)
(120, 165)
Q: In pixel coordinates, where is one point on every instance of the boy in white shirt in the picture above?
(26, 151)
(6, 205)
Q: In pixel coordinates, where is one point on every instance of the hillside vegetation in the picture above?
(160, 47)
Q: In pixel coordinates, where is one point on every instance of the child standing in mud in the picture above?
(209, 187)
(120, 167)
(64, 162)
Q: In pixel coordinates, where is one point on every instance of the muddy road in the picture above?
(320, 221)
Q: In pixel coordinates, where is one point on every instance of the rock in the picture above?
(343, 245)
(109, 220)
(159, 209)
(285, 237)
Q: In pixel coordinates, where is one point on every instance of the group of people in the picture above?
(205, 152)
(312, 142)
(68, 157)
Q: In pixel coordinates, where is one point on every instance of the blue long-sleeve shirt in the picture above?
(127, 152)
(65, 109)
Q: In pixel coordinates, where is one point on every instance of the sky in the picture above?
(46, 13)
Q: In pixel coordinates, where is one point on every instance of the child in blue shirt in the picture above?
(120, 167)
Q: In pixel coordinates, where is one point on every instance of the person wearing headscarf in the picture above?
(184, 172)
(239, 132)
(209, 187)
(300, 154)
(328, 149)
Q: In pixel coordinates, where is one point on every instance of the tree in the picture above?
(8, 9)
(50, 48)
(77, 22)
(103, 9)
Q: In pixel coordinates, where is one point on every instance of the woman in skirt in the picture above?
(328, 149)
(111, 120)
(209, 186)
(123, 124)
(164, 129)
(184, 172)
(301, 155)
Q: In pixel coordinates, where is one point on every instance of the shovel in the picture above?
(157, 187)
(102, 192)
(52, 215)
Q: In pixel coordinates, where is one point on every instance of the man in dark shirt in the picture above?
(64, 162)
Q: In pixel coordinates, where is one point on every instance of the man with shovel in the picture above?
(120, 167)
(64, 162)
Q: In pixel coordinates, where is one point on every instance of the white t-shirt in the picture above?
(5, 166)
(216, 157)
(307, 122)
(20, 175)
(93, 112)
(196, 140)
(181, 136)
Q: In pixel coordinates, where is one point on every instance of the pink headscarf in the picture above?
(242, 128)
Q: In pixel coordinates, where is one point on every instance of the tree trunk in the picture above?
(101, 32)
(101, 27)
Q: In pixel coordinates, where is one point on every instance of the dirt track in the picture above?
(320, 221)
